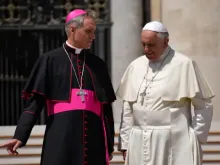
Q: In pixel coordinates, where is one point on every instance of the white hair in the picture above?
(163, 35)
(78, 21)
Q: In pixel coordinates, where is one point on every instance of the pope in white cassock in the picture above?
(158, 89)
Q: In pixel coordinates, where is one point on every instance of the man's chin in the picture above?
(89, 46)
(150, 57)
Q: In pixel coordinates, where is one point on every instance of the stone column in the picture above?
(194, 28)
(155, 10)
(126, 16)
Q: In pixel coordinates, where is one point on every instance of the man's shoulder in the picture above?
(136, 64)
(52, 55)
(139, 60)
(181, 58)
(95, 59)
(53, 52)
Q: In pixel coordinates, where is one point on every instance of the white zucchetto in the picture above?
(155, 26)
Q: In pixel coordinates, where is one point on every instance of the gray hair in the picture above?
(78, 21)
(163, 35)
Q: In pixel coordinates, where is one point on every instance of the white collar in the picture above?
(78, 50)
(163, 55)
(166, 51)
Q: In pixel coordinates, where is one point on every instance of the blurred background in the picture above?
(29, 28)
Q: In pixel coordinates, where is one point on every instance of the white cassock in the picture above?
(158, 128)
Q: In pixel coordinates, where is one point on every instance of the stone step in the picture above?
(36, 148)
(30, 154)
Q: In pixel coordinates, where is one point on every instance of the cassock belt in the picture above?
(91, 104)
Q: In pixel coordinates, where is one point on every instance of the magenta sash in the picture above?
(91, 104)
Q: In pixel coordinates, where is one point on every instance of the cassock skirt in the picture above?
(74, 138)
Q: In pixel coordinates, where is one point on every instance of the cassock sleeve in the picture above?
(28, 118)
(109, 125)
(125, 126)
(201, 122)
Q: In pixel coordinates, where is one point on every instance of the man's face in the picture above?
(84, 35)
(153, 45)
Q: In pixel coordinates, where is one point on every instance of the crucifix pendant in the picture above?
(82, 94)
(143, 94)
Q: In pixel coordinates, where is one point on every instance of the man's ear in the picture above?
(72, 29)
(166, 40)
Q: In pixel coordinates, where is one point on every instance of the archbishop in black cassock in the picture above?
(73, 136)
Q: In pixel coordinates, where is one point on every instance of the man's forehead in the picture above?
(89, 22)
(148, 34)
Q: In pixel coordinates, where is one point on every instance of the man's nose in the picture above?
(92, 36)
(146, 48)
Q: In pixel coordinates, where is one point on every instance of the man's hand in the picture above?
(12, 146)
(124, 154)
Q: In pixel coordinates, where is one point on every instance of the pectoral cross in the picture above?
(82, 94)
(143, 94)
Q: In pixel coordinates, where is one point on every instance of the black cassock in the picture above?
(76, 133)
